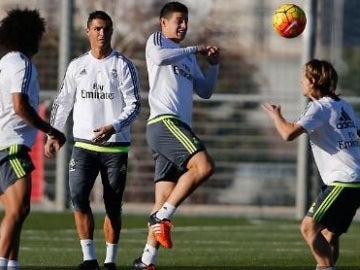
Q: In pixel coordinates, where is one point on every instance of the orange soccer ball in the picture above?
(289, 20)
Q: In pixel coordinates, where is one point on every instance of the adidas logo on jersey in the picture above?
(114, 73)
(345, 121)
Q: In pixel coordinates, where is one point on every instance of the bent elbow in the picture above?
(18, 109)
(288, 137)
(207, 96)
(160, 60)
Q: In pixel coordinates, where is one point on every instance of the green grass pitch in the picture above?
(49, 241)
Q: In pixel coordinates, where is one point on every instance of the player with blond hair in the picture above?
(332, 127)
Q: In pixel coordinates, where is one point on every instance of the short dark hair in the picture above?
(99, 14)
(21, 30)
(171, 7)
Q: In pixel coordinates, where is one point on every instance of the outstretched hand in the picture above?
(273, 110)
(288, 131)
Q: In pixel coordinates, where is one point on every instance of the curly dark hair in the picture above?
(21, 30)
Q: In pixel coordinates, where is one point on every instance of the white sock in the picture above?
(12, 265)
(111, 250)
(3, 263)
(88, 249)
(166, 211)
(149, 254)
(326, 268)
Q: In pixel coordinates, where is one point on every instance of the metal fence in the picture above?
(253, 166)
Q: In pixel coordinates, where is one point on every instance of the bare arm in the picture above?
(288, 131)
(31, 117)
(28, 114)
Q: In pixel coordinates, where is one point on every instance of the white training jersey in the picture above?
(332, 128)
(100, 92)
(174, 75)
(17, 75)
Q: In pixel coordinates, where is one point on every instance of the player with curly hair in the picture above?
(20, 34)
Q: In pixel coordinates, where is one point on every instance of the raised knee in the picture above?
(204, 173)
(207, 170)
(201, 166)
